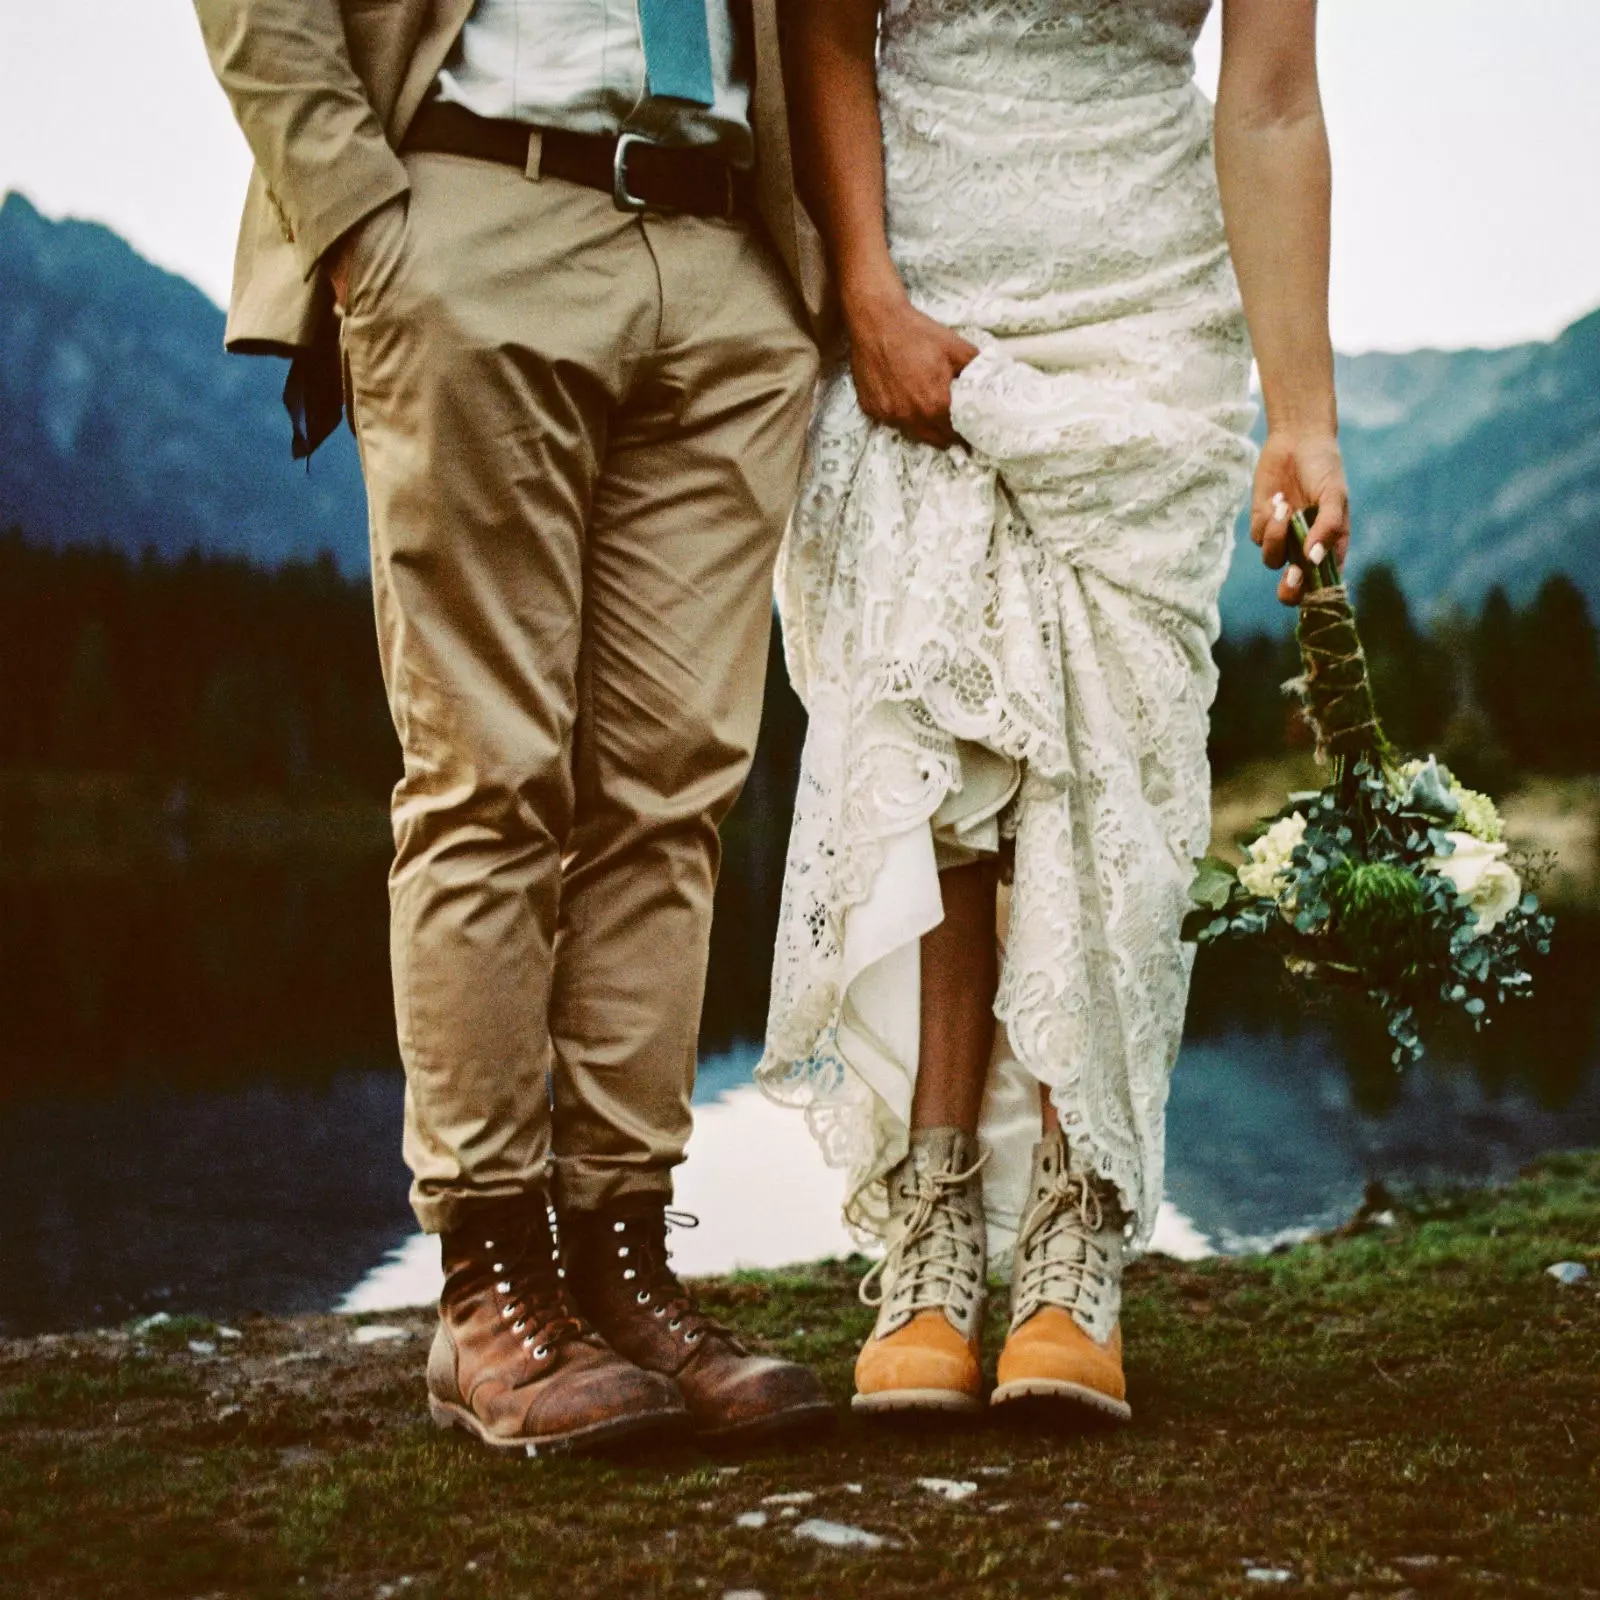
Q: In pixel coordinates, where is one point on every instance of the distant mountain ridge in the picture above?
(1468, 468)
(122, 420)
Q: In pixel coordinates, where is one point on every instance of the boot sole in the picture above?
(952, 1402)
(1052, 1394)
(818, 1414)
(595, 1436)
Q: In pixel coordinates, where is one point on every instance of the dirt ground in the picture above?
(1409, 1408)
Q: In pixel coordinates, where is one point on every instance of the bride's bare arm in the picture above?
(902, 361)
(1274, 174)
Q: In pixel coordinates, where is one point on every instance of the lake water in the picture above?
(199, 1108)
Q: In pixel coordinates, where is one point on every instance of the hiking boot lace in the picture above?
(1061, 1261)
(641, 1245)
(532, 1291)
(931, 1262)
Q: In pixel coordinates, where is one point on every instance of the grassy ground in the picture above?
(1411, 1407)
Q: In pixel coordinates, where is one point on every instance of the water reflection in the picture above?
(199, 1110)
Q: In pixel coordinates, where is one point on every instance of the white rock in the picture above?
(229, 1333)
(379, 1333)
(1568, 1271)
(795, 1497)
(154, 1320)
(743, 1594)
(839, 1535)
(750, 1519)
(1076, 1505)
(1268, 1575)
(948, 1488)
(852, 1488)
(202, 1347)
(993, 1472)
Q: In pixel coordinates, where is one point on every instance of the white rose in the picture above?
(1481, 877)
(1265, 872)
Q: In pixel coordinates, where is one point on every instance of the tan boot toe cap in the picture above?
(927, 1363)
(1050, 1353)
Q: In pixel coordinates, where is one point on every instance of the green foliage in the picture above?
(1360, 902)
(1379, 907)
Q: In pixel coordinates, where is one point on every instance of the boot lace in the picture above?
(930, 1263)
(532, 1290)
(1061, 1260)
(641, 1245)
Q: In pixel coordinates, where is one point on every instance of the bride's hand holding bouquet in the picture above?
(1300, 467)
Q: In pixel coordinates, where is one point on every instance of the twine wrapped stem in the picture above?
(1334, 689)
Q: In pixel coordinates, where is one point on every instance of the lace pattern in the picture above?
(1048, 588)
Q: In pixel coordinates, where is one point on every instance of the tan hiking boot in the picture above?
(924, 1351)
(513, 1362)
(617, 1265)
(1065, 1343)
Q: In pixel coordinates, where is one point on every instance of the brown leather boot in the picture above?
(513, 1362)
(616, 1261)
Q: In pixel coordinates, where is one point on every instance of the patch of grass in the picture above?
(76, 1395)
(172, 1333)
(1414, 1407)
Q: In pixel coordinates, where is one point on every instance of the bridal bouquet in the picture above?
(1393, 878)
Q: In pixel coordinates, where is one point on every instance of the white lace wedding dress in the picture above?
(1011, 639)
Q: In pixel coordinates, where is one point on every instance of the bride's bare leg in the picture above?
(1047, 1111)
(960, 971)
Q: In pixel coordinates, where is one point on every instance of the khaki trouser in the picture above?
(581, 432)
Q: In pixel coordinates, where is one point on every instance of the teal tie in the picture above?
(677, 50)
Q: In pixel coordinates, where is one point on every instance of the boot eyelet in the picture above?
(622, 1250)
(508, 1312)
(660, 1311)
(643, 1297)
(675, 1324)
(629, 1275)
(497, 1266)
(540, 1351)
(504, 1286)
(692, 1336)
(619, 1227)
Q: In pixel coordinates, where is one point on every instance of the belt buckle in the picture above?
(621, 195)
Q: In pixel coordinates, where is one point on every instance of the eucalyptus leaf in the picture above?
(1214, 881)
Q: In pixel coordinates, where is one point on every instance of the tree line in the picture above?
(231, 679)
(1496, 694)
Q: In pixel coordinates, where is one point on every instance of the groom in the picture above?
(552, 249)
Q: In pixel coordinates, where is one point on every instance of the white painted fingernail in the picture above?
(1292, 578)
(1316, 552)
(1280, 508)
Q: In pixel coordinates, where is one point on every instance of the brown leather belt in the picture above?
(638, 174)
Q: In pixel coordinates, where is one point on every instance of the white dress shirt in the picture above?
(579, 64)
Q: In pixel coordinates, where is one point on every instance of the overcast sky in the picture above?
(1466, 138)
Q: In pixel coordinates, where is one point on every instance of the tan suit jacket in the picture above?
(325, 90)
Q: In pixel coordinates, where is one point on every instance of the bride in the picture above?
(998, 593)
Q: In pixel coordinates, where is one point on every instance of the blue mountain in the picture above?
(1468, 468)
(122, 421)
